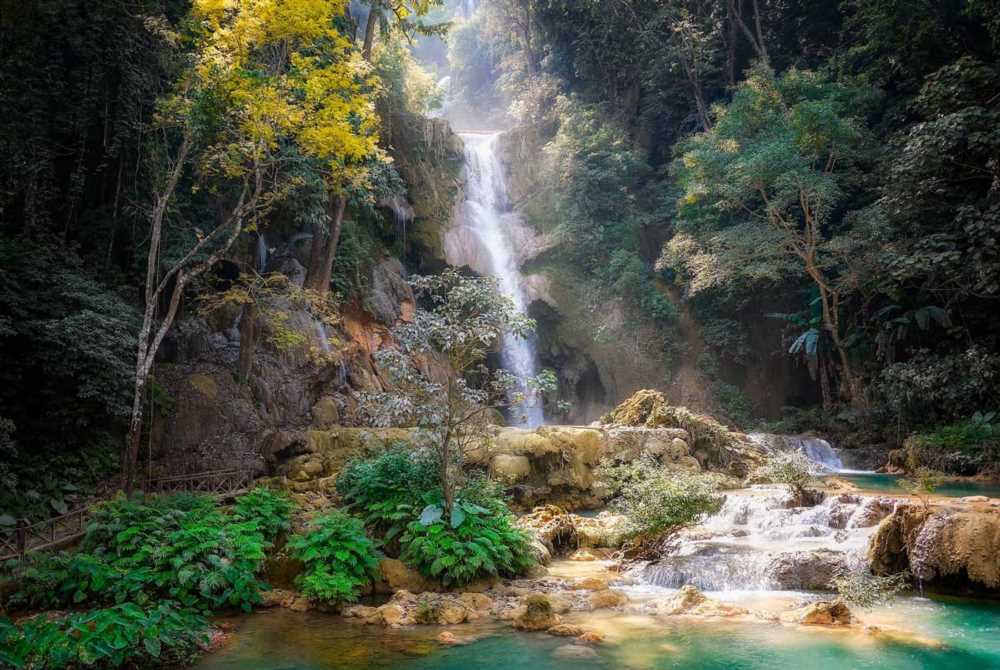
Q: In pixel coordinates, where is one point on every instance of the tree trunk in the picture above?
(248, 341)
(324, 248)
(370, 26)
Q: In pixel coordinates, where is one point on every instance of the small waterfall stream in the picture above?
(815, 449)
(484, 212)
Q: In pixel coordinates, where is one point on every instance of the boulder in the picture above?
(565, 630)
(392, 614)
(592, 584)
(447, 638)
(451, 613)
(510, 468)
(537, 615)
(806, 570)
(686, 599)
(958, 546)
(398, 576)
(821, 613)
(607, 599)
(325, 413)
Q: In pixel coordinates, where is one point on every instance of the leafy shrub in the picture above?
(791, 468)
(965, 436)
(270, 511)
(389, 490)
(922, 483)
(180, 548)
(475, 541)
(339, 558)
(123, 635)
(656, 500)
(863, 589)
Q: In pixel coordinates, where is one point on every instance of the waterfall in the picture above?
(261, 253)
(814, 448)
(757, 541)
(484, 213)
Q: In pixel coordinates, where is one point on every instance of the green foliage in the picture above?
(338, 556)
(791, 468)
(734, 403)
(270, 511)
(181, 548)
(124, 635)
(966, 436)
(861, 588)
(390, 489)
(476, 540)
(657, 500)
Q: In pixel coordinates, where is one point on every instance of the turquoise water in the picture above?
(955, 488)
(945, 635)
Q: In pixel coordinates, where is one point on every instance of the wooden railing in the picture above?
(24, 537)
(217, 483)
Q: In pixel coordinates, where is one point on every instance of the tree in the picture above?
(773, 170)
(258, 77)
(437, 378)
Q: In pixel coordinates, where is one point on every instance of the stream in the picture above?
(759, 552)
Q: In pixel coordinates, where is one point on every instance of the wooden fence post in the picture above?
(21, 538)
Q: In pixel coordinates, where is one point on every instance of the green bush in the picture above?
(389, 490)
(965, 436)
(476, 541)
(119, 636)
(180, 548)
(655, 500)
(339, 558)
(270, 511)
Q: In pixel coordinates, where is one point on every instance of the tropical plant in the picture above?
(181, 548)
(124, 635)
(389, 490)
(338, 557)
(270, 511)
(469, 542)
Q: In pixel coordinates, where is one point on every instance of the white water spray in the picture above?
(815, 449)
(485, 214)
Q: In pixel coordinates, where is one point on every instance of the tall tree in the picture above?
(265, 78)
(776, 161)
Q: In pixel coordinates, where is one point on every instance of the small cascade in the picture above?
(261, 254)
(321, 335)
(758, 541)
(485, 214)
(815, 449)
(402, 213)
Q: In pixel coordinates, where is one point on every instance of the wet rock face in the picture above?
(953, 547)
(807, 570)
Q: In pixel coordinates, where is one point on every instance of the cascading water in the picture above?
(758, 541)
(484, 212)
(261, 253)
(815, 449)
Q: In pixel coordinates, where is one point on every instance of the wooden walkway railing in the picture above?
(24, 538)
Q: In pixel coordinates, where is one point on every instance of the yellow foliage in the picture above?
(252, 54)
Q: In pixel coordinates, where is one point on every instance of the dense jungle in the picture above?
(434, 334)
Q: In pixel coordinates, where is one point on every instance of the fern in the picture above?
(339, 558)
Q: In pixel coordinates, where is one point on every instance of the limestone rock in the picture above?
(451, 613)
(566, 630)
(806, 570)
(392, 614)
(447, 638)
(941, 543)
(398, 576)
(537, 615)
(592, 584)
(510, 468)
(606, 599)
(687, 598)
(822, 613)
(325, 413)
